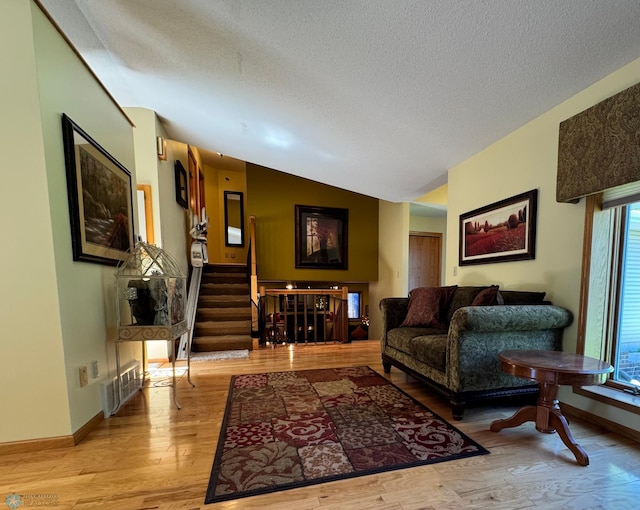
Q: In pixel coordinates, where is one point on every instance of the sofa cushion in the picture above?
(426, 345)
(463, 296)
(431, 350)
(518, 297)
(427, 307)
(486, 297)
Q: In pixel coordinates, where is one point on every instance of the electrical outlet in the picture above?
(95, 371)
(84, 376)
(455, 270)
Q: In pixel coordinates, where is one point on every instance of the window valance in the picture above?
(599, 148)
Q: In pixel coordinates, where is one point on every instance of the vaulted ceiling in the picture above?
(380, 97)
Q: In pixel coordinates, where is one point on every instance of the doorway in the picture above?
(425, 259)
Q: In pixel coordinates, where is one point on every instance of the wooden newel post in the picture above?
(344, 312)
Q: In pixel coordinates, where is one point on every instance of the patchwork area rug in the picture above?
(284, 430)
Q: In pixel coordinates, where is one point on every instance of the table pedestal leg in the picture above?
(562, 427)
(527, 413)
(548, 419)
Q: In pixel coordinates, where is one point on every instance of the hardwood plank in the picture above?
(153, 456)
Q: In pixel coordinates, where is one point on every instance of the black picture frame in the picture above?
(100, 199)
(321, 237)
(504, 231)
(182, 185)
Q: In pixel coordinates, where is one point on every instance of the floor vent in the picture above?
(131, 381)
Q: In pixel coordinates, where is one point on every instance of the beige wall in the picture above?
(61, 313)
(393, 260)
(146, 160)
(524, 160)
(174, 220)
(159, 174)
(33, 386)
(85, 290)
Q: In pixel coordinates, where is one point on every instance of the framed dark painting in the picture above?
(500, 232)
(100, 199)
(182, 185)
(321, 237)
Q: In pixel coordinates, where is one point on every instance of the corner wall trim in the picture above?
(35, 445)
(575, 412)
(49, 443)
(83, 431)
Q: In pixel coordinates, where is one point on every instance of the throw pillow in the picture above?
(463, 296)
(427, 307)
(486, 297)
(519, 297)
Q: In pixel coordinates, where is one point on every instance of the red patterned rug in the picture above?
(284, 430)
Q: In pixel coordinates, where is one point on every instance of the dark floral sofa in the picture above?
(450, 338)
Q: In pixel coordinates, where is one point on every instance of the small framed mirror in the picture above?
(234, 219)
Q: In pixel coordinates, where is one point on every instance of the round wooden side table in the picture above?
(551, 369)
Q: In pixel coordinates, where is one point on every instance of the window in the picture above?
(609, 322)
(626, 302)
(353, 301)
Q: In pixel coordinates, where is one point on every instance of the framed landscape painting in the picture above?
(500, 232)
(321, 237)
(100, 199)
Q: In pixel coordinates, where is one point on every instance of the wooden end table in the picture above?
(551, 369)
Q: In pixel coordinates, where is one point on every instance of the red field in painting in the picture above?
(497, 240)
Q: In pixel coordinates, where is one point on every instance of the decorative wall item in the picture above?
(321, 237)
(100, 200)
(500, 232)
(182, 185)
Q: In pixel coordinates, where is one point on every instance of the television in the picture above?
(354, 301)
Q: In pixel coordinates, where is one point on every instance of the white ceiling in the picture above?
(380, 97)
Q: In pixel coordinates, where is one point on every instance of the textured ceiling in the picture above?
(380, 97)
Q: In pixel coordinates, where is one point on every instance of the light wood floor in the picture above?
(152, 455)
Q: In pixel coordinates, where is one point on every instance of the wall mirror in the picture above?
(233, 218)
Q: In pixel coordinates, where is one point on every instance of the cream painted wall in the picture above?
(393, 260)
(524, 160)
(33, 386)
(85, 290)
(144, 140)
(174, 220)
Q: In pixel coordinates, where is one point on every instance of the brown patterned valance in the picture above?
(600, 147)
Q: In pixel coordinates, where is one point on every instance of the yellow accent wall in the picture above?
(217, 181)
(272, 197)
(437, 196)
(524, 160)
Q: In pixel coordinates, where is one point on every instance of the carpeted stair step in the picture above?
(225, 268)
(236, 278)
(222, 343)
(227, 289)
(223, 318)
(214, 328)
(222, 301)
(224, 314)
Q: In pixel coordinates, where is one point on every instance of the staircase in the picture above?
(223, 317)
